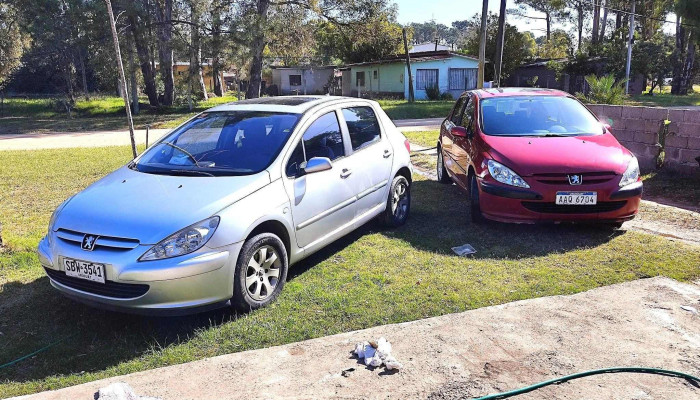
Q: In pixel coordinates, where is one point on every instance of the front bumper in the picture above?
(505, 203)
(180, 285)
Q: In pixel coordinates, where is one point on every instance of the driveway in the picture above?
(57, 140)
(465, 355)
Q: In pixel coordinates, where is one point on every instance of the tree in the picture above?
(164, 16)
(652, 59)
(518, 47)
(683, 57)
(374, 39)
(559, 45)
(550, 8)
(12, 42)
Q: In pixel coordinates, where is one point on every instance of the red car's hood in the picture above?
(575, 154)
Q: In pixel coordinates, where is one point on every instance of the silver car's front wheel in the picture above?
(261, 271)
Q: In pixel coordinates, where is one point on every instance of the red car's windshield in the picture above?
(537, 116)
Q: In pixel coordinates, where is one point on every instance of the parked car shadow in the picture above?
(440, 220)
(34, 315)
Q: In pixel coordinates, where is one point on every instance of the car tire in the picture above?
(442, 175)
(261, 271)
(475, 201)
(398, 204)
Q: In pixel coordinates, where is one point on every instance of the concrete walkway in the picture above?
(56, 140)
(465, 355)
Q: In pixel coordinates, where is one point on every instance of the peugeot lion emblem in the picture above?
(575, 179)
(89, 242)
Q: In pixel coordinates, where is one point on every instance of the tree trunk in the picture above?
(687, 70)
(603, 23)
(500, 38)
(82, 69)
(144, 55)
(216, 48)
(134, 82)
(165, 49)
(579, 14)
(596, 22)
(677, 57)
(196, 51)
(548, 19)
(257, 47)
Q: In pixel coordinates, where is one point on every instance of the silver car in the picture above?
(216, 211)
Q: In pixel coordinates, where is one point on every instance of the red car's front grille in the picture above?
(552, 208)
(588, 178)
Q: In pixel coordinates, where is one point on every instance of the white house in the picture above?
(303, 79)
(450, 72)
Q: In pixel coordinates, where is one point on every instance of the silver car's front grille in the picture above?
(102, 242)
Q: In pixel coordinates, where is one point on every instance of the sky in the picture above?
(447, 11)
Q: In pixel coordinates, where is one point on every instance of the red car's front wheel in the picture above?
(475, 201)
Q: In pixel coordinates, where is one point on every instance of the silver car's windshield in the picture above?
(220, 143)
(537, 116)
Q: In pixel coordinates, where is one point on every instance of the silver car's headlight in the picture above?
(631, 174)
(503, 174)
(183, 242)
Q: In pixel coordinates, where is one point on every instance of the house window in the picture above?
(426, 78)
(462, 78)
(294, 80)
(374, 74)
(360, 78)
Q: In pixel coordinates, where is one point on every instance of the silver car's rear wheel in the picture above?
(263, 273)
(398, 203)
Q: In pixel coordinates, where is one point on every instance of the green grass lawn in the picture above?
(666, 99)
(19, 115)
(100, 113)
(369, 278)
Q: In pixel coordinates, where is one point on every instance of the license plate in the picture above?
(577, 198)
(84, 270)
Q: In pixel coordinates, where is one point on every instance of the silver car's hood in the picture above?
(149, 207)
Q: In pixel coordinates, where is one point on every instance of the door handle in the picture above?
(387, 153)
(345, 173)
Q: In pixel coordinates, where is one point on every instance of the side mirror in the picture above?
(317, 164)
(607, 127)
(459, 131)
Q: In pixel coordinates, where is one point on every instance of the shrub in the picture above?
(446, 96)
(604, 90)
(433, 93)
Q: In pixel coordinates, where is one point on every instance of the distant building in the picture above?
(448, 71)
(303, 79)
(539, 74)
(181, 69)
(428, 46)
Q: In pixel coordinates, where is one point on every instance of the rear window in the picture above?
(537, 116)
(363, 126)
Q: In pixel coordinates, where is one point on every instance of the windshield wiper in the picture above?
(187, 153)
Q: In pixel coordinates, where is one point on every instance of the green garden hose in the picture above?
(641, 370)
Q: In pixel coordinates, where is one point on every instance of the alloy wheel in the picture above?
(262, 274)
(399, 200)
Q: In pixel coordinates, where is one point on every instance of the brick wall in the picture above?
(637, 128)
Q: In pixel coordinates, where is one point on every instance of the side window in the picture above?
(295, 161)
(362, 126)
(456, 117)
(323, 138)
(468, 114)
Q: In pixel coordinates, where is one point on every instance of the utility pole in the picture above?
(482, 45)
(500, 39)
(629, 49)
(411, 97)
(124, 90)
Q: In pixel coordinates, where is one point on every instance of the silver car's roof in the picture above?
(290, 104)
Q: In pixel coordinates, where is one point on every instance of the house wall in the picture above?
(180, 73)
(391, 77)
(313, 81)
(637, 128)
(443, 67)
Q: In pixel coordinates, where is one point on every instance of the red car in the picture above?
(536, 155)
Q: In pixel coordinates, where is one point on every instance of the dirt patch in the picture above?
(465, 355)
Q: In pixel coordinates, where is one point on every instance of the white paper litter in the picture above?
(377, 353)
(464, 250)
(120, 391)
(690, 309)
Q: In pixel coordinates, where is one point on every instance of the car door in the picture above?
(371, 158)
(323, 203)
(447, 138)
(461, 148)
